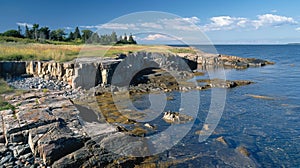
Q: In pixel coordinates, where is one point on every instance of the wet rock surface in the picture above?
(176, 117)
(220, 83)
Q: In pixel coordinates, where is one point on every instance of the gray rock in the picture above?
(176, 117)
(5, 159)
(17, 137)
(3, 149)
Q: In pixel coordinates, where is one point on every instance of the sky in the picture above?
(219, 21)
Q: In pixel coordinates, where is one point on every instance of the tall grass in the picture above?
(63, 53)
(17, 51)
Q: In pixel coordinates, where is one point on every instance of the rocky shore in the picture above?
(46, 129)
(46, 122)
(51, 122)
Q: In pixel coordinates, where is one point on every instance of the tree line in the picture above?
(41, 34)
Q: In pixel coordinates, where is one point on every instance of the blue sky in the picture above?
(230, 21)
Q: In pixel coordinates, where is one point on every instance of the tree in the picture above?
(27, 32)
(12, 33)
(71, 36)
(125, 38)
(114, 37)
(19, 30)
(57, 35)
(120, 38)
(77, 34)
(44, 33)
(53, 35)
(60, 34)
(94, 38)
(131, 40)
(35, 29)
(86, 34)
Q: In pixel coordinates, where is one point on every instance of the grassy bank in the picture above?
(34, 51)
(4, 88)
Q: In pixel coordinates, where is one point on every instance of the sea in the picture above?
(262, 119)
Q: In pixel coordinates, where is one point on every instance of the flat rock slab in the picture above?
(46, 122)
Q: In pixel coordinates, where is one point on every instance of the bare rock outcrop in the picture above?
(43, 128)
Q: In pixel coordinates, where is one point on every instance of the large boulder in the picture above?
(87, 75)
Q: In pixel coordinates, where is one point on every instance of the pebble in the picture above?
(43, 84)
(37, 83)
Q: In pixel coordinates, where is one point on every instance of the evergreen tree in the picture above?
(12, 33)
(60, 34)
(71, 36)
(94, 38)
(86, 34)
(35, 29)
(19, 30)
(125, 40)
(77, 34)
(27, 32)
(120, 38)
(53, 35)
(44, 33)
(114, 37)
(131, 40)
(57, 35)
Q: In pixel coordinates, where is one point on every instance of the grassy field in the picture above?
(34, 51)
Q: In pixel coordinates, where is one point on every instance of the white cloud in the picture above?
(68, 28)
(242, 22)
(87, 27)
(191, 24)
(185, 24)
(274, 11)
(193, 19)
(119, 26)
(297, 29)
(153, 37)
(112, 26)
(272, 20)
(151, 25)
(224, 23)
(24, 24)
(229, 23)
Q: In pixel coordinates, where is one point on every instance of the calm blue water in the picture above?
(271, 128)
(268, 129)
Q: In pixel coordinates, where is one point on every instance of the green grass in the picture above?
(5, 39)
(64, 51)
(5, 88)
(183, 50)
(6, 106)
